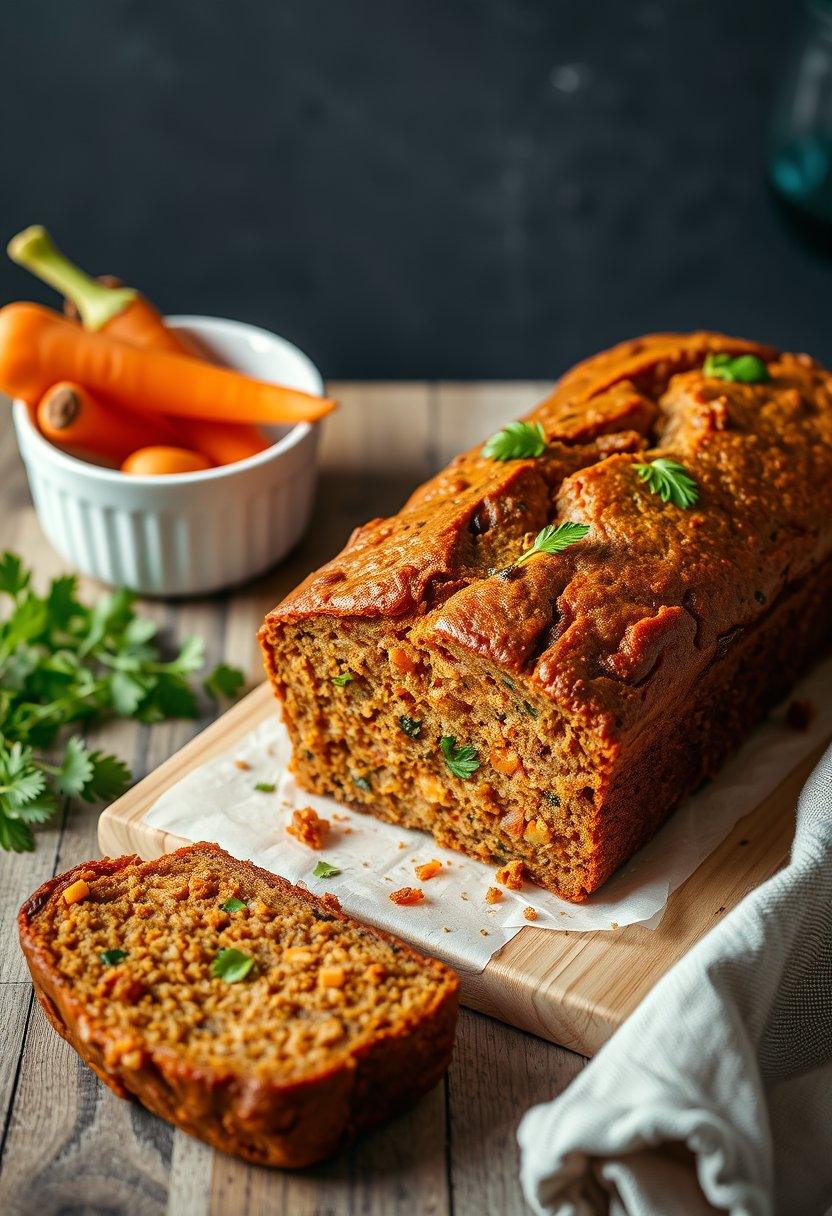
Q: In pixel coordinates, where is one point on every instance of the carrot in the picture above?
(122, 311)
(71, 418)
(223, 442)
(161, 461)
(38, 347)
(105, 304)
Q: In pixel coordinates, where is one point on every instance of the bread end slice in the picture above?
(334, 1027)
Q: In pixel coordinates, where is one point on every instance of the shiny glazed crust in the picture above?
(616, 641)
(265, 1121)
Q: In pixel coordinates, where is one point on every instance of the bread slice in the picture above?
(334, 1027)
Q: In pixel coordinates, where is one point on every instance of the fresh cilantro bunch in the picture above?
(63, 663)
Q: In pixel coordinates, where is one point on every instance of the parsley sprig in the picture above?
(462, 761)
(554, 538)
(65, 664)
(741, 369)
(671, 481)
(516, 441)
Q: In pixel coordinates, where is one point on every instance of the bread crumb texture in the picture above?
(511, 875)
(321, 987)
(407, 895)
(429, 870)
(309, 827)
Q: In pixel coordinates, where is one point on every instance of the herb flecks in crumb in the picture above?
(412, 727)
(233, 905)
(462, 761)
(341, 681)
(265, 787)
(671, 481)
(231, 965)
(739, 369)
(530, 709)
(554, 538)
(361, 782)
(517, 441)
(111, 957)
(324, 870)
(65, 665)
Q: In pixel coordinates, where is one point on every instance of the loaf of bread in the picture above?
(245, 1010)
(553, 711)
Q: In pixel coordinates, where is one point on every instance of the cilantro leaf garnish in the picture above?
(63, 666)
(324, 870)
(233, 905)
(554, 538)
(741, 369)
(462, 761)
(110, 957)
(346, 677)
(412, 727)
(231, 965)
(671, 481)
(516, 441)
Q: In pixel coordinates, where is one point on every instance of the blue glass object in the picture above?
(800, 147)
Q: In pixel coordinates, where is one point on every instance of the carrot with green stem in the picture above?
(121, 312)
(38, 348)
(107, 306)
(71, 418)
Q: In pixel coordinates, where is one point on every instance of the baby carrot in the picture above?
(162, 461)
(38, 347)
(71, 418)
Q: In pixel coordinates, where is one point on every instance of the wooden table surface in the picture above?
(68, 1144)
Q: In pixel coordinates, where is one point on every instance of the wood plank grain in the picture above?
(496, 1075)
(396, 1170)
(379, 428)
(15, 1007)
(72, 1144)
(189, 1184)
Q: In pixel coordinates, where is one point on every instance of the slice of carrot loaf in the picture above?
(568, 629)
(248, 1012)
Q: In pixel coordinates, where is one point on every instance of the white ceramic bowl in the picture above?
(187, 533)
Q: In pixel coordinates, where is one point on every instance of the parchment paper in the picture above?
(218, 802)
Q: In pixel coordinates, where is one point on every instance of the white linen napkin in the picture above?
(716, 1094)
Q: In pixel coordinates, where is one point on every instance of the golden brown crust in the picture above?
(614, 634)
(266, 1120)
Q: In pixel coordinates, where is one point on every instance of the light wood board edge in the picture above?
(574, 989)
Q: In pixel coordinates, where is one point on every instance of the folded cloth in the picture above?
(716, 1094)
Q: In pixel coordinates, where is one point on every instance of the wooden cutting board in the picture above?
(572, 988)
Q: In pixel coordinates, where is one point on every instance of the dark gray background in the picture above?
(414, 188)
